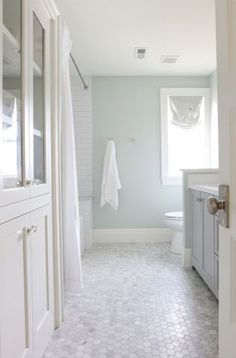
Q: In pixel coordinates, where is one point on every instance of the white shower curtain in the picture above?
(70, 199)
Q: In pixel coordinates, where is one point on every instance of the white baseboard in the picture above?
(186, 258)
(131, 235)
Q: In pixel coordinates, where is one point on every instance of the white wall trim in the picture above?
(56, 33)
(186, 258)
(131, 235)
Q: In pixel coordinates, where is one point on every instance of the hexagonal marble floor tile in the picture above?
(137, 302)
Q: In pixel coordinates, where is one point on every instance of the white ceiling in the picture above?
(105, 33)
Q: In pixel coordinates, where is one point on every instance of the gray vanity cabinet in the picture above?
(204, 238)
(208, 243)
(196, 227)
(216, 268)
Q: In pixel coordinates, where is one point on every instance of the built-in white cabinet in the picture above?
(25, 101)
(204, 240)
(26, 281)
(26, 246)
(15, 282)
(41, 253)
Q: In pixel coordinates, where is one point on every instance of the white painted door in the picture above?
(226, 57)
(42, 278)
(15, 290)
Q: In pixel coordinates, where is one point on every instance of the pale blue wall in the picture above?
(125, 107)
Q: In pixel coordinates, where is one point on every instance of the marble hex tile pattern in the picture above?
(137, 302)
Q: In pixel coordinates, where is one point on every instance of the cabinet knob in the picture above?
(36, 182)
(199, 200)
(33, 182)
(28, 182)
(33, 228)
(213, 205)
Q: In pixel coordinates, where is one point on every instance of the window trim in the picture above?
(165, 93)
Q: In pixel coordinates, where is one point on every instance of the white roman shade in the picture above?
(185, 110)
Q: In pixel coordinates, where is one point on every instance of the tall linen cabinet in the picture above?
(26, 246)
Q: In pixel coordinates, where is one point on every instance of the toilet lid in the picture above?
(176, 215)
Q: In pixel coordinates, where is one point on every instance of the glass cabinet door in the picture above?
(38, 102)
(40, 113)
(12, 174)
(24, 100)
(12, 95)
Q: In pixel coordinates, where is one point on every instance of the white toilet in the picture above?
(174, 221)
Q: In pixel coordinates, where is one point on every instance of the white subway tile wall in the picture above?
(82, 108)
(86, 212)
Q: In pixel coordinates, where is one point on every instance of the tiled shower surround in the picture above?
(137, 301)
(82, 110)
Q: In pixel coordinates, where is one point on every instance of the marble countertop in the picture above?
(205, 170)
(209, 189)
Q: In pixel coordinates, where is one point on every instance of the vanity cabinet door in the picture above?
(196, 228)
(216, 234)
(216, 274)
(216, 278)
(208, 251)
(204, 236)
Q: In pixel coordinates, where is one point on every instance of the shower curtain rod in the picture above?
(79, 73)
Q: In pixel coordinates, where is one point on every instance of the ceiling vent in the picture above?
(140, 53)
(169, 59)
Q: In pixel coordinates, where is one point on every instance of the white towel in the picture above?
(110, 180)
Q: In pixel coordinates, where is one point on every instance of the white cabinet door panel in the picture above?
(42, 278)
(15, 299)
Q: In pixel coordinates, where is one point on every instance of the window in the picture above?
(185, 130)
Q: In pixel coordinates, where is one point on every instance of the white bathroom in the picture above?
(151, 222)
(118, 179)
(147, 162)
